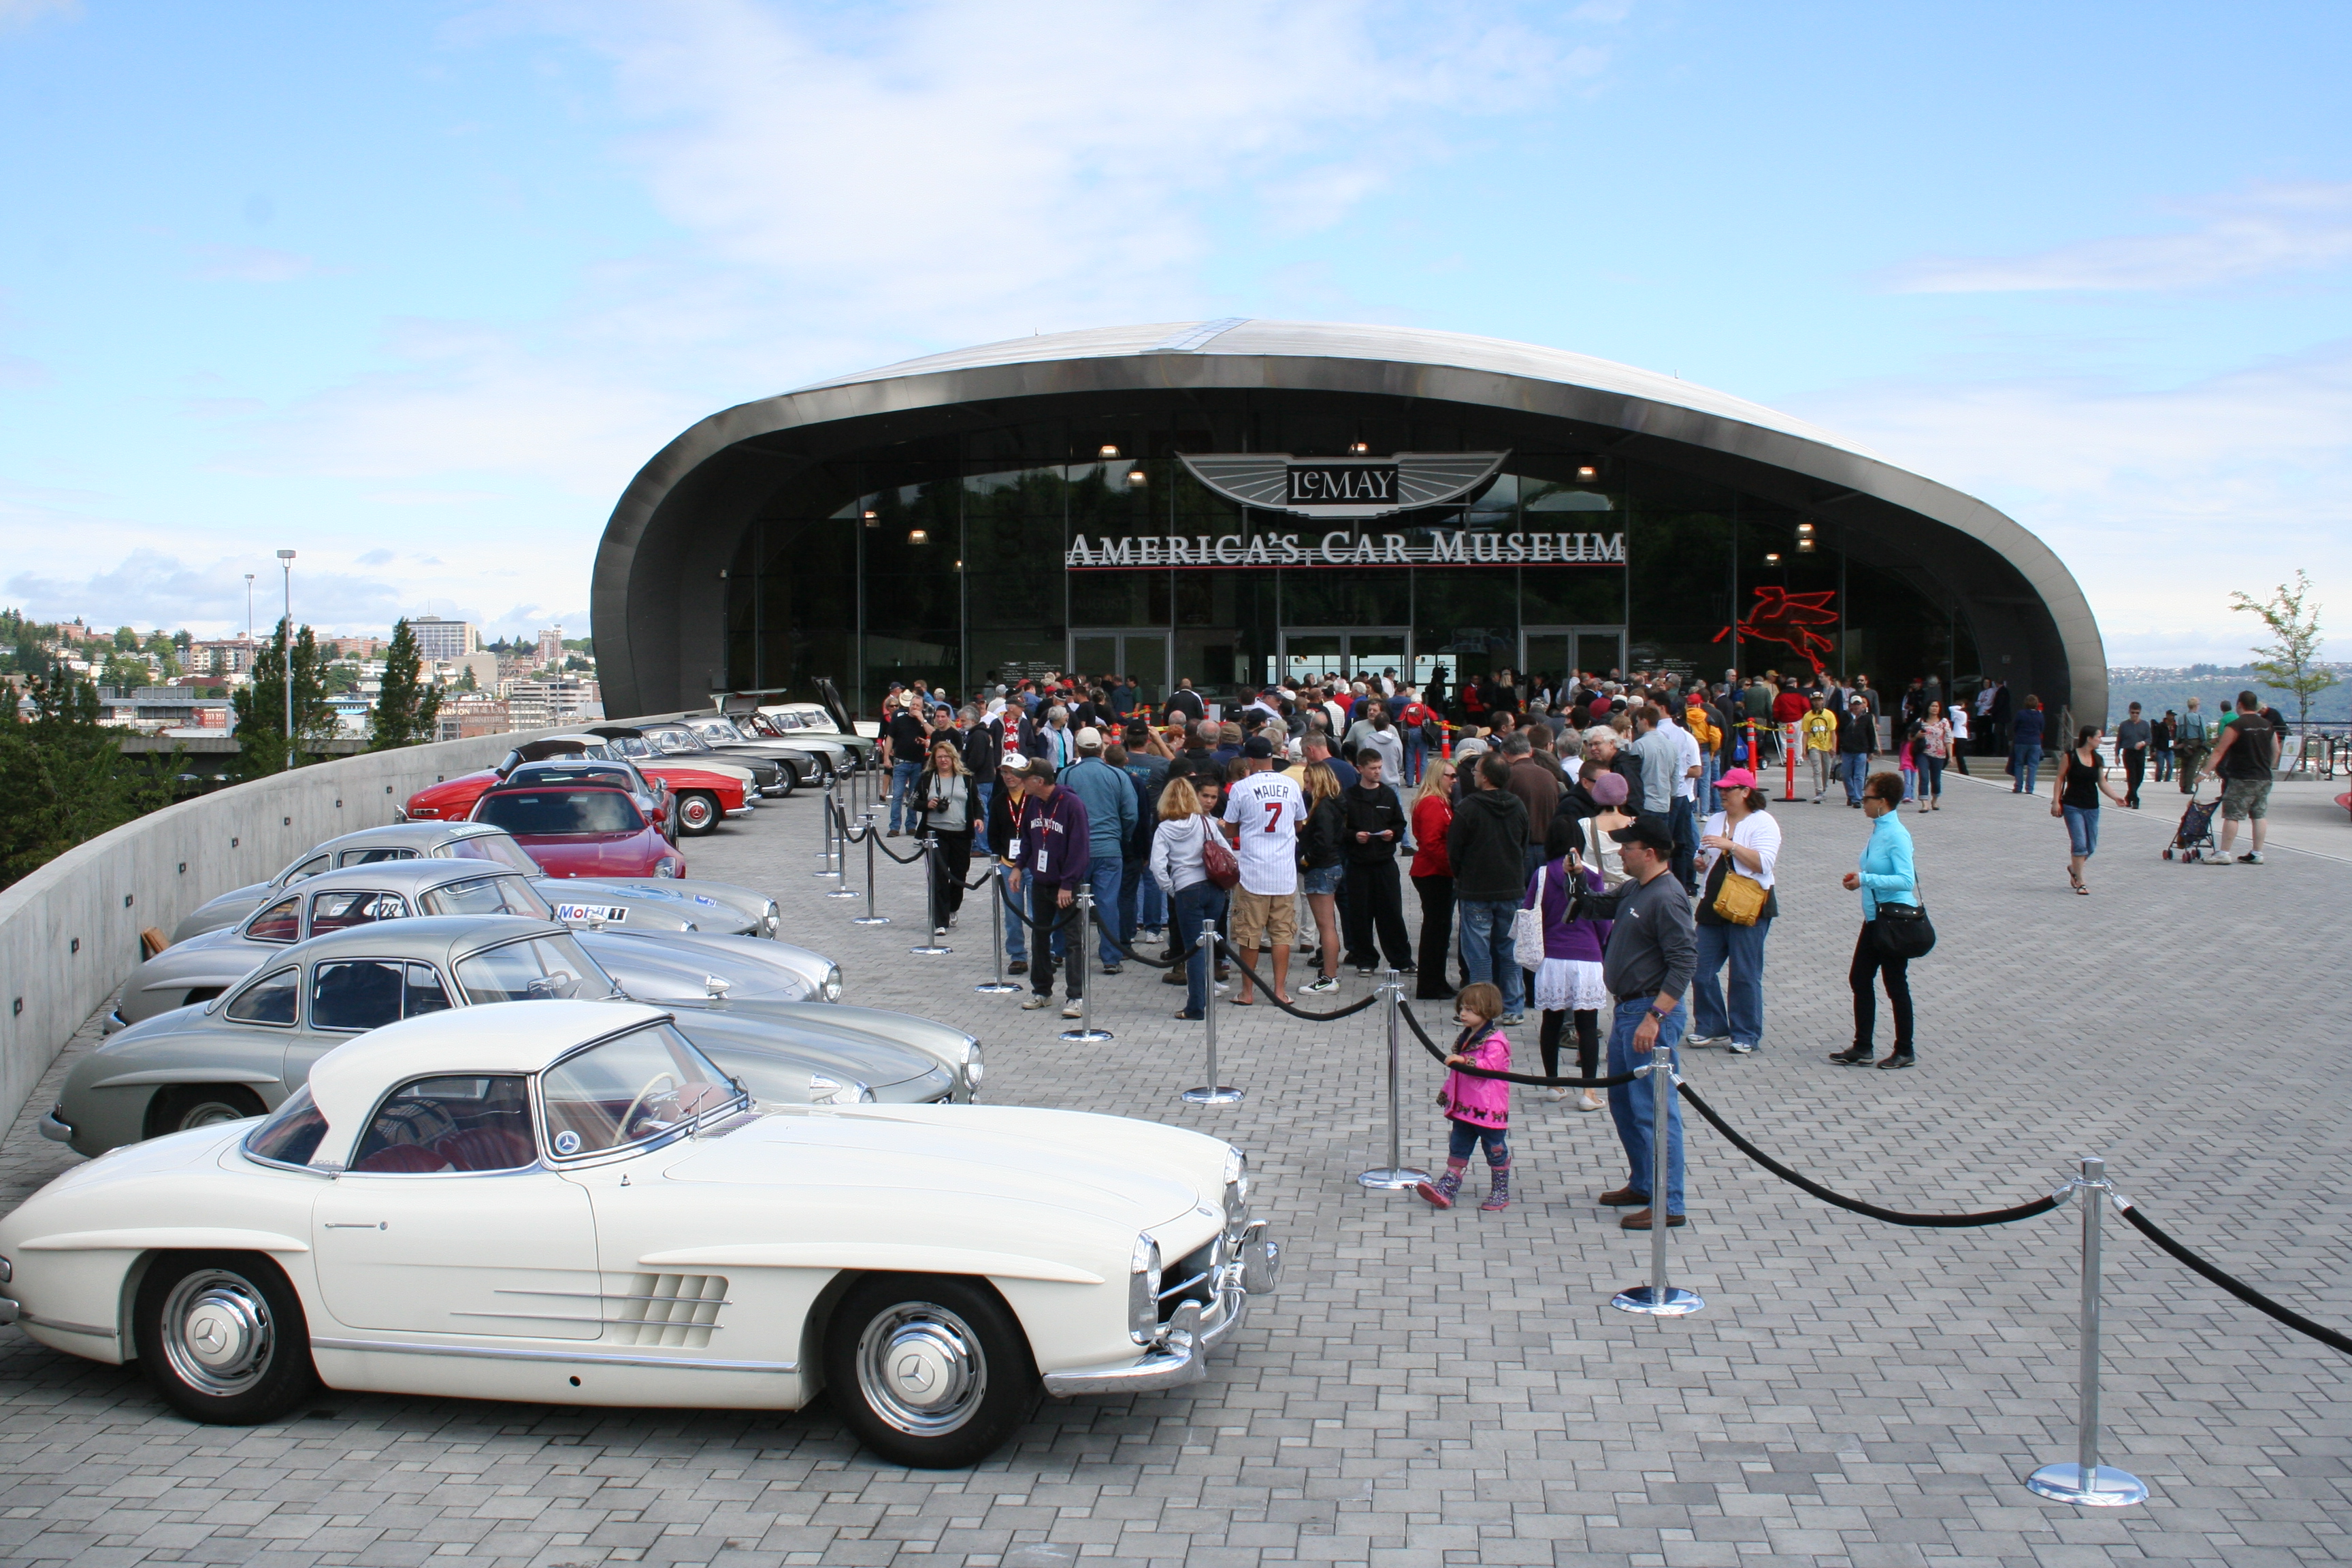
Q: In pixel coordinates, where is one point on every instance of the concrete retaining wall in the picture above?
(69, 932)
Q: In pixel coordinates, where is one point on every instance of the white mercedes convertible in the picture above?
(565, 1201)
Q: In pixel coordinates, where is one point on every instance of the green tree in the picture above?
(407, 709)
(2289, 661)
(167, 657)
(126, 639)
(260, 706)
(125, 672)
(61, 775)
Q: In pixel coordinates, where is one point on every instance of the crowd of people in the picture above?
(1600, 851)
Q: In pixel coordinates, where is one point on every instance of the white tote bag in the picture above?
(1526, 927)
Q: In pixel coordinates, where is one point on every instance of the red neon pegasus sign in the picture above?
(1789, 619)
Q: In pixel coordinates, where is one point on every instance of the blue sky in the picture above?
(414, 290)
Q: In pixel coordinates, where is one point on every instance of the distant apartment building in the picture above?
(223, 655)
(545, 704)
(551, 647)
(153, 709)
(74, 631)
(444, 642)
(356, 648)
(471, 713)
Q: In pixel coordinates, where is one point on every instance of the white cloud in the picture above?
(16, 13)
(250, 264)
(2268, 230)
(2161, 499)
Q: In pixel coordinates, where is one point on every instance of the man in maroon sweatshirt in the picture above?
(1051, 855)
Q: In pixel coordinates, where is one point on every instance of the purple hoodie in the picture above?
(1054, 834)
(1564, 938)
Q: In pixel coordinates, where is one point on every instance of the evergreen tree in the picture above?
(407, 710)
(61, 776)
(260, 706)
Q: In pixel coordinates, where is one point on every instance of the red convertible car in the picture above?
(581, 829)
(687, 800)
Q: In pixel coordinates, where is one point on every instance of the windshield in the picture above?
(310, 868)
(527, 813)
(539, 969)
(575, 772)
(675, 741)
(498, 848)
(648, 1082)
(340, 911)
(718, 731)
(290, 1136)
(783, 721)
(487, 896)
(630, 746)
(371, 856)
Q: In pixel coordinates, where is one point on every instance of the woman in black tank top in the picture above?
(2082, 780)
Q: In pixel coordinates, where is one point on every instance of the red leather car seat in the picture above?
(485, 1149)
(402, 1159)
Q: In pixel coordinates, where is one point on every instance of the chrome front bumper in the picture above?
(1180, 1354)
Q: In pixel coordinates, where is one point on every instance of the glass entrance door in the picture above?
(1327, 653)
(1143, 655)
(1553, 651)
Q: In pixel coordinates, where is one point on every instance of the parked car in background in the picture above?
(675, 741)
(569, 1203)
(829, 716)
(748, 732)
(773, 776)
(661, 903)
(581, 830)
(242, 1053)
(692, 813)
(669, 782)
(655, 966)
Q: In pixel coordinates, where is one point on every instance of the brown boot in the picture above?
(1623, 1198)
(1640, 1220)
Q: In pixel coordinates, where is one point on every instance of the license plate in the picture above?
(611, 914)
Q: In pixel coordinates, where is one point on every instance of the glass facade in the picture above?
(951, 560)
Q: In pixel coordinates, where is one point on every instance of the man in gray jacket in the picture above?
(1651, 954)
(1109, 798)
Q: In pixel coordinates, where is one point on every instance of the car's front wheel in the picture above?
(698, 812)
(189, 1105)
(930, 1370)
(222, 1337)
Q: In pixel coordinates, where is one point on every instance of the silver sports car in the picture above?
(658, 903)
(652, 965)
(243, 1053)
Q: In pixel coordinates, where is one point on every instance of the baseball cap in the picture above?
(1735, 778)
(1089, 739)
(1038, 768)
(1014, 760)
(1649, 834)
(1257, 746)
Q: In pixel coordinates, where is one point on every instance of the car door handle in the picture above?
(357, 1225)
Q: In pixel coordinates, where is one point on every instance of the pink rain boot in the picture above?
(1498, 1188)
(1442, 1192)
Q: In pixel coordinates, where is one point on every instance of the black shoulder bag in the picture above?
(1903, 930)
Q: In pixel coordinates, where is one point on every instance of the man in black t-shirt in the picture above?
(2243, 759)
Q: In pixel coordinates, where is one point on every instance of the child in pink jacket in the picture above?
(1479, 1108)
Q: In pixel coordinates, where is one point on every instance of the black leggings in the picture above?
(954, 867)
(1588, 1042)
(1896, 972)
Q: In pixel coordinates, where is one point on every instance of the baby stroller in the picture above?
(2194, 838)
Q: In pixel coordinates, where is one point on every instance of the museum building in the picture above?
(1240, 500)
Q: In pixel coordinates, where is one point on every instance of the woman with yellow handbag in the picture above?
(1737, 849)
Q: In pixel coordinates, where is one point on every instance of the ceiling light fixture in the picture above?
(1587, 471)
(922, 536)
(1773, 558)
(1135, 476)
(1360, 447)
(1110, 450)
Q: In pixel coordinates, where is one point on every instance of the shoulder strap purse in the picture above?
(1527, 926)
(1904, 931)
(1217, 858)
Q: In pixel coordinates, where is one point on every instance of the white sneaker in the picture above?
(1739, 1050)
(1072, 1010)
(1322, 984)
(1031, 1002)
(1700, 1042)
(2253, 858)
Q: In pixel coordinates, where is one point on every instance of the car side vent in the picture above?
(667, 1309)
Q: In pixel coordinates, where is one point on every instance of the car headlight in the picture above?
(1143, 1291)
(973, 1068)
(831, 989)
(665, 867)
(771, 919)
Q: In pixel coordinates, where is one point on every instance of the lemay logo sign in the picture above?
(1351, 490)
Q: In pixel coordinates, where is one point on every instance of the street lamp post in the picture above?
(248, 608)
(286, 561)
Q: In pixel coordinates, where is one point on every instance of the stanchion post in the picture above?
(1086, 1033)
(866, 826)
(1658, 1299)
(825, 851)
(1789, 742)
(840, 849)
(1000, 985)
(934, 911)
(1213, 1092)
(2086, 1482)
(1395, 1174)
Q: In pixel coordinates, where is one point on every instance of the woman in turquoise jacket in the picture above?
(1887, 877)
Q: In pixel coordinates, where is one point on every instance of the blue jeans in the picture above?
(902, 779)
(2025, 762)
(1487, 952)
(1200, 902)
(1016, 943)
(2082, 830)
(1744, 946)
(1414, 747)
(1105, 876)
(1465, 1136)
(1141, 902)
(1854, 768)
(1630, 1104)
(979, 828)
(1683, 821)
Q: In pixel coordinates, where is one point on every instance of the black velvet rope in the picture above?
(1531, 1079)
(1892, 1216)
(1257, 980)
(1112, 936)
(2242, 1292)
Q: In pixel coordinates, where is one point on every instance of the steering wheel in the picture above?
(629, 1117)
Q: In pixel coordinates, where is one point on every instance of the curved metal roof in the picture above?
(1333, 340)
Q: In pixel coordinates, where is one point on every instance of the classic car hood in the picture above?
(589, 853)
(691, 898)
(842, 1027)
(671, 966)
(875, 1061)
(973, 1154)
(452, 797)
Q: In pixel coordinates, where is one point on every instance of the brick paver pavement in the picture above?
(1453, 1388)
